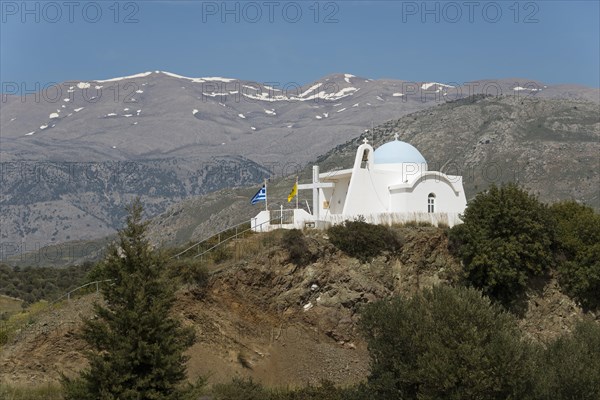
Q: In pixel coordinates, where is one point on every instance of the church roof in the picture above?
(397, 152)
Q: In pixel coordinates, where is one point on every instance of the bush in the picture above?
(221, 253)
(362, 240)
(325, 391)
(570, 367)
(247, 389)
(240, 389)
(189, 271)
(445, 343)
(578, 241)
(507, 238)
(294, 242)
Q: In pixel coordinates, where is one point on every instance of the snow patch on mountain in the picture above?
(519, 88)
(426, 86)
(310, 89)
(199, 80)
(142, 75)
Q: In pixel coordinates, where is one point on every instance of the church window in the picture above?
(431, 203)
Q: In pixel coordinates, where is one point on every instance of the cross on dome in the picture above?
(365, 140)
(396, 136)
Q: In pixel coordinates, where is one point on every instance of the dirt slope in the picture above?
(276, 322)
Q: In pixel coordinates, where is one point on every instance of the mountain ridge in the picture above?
(71, 180)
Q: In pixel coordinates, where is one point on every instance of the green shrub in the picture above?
(28, 392)
(506, 239)
(325, 391)
(294, 242)
(247, 389)
(240, 389)
(189, 271)
(578, 242)
(221, 253)
(570, 367)
(362, 240)
(445, 343)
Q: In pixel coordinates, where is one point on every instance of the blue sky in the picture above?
(550, 41)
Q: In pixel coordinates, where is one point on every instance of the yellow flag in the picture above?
(294, 192)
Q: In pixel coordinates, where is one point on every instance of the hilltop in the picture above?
(550, 147)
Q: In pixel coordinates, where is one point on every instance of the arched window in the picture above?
(431, 203)
(365, 159)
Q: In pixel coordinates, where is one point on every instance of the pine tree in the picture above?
(136, 345)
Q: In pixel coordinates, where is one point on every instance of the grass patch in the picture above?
(22, 392)
(17, 321)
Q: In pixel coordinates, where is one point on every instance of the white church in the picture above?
(387, 185)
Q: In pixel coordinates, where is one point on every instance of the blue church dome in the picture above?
(397, 152)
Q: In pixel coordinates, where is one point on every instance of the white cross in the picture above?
(396, 135)
(315, 186)
(365, 140)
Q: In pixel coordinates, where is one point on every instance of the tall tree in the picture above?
(506, 239)
(136, 345)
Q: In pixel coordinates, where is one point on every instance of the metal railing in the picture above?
(68, 294)
(218, 234)
(220, 242)
(195, 245)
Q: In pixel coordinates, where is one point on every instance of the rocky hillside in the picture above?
(267, 318)
(549, 146)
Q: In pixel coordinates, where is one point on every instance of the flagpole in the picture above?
(266, 205)
(296, 192)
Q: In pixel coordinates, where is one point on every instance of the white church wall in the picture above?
(334, 198)
(267, 221)
(260, 223)
(446, 199)
(365, 194)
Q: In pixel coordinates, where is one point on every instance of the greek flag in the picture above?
(261, 195)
